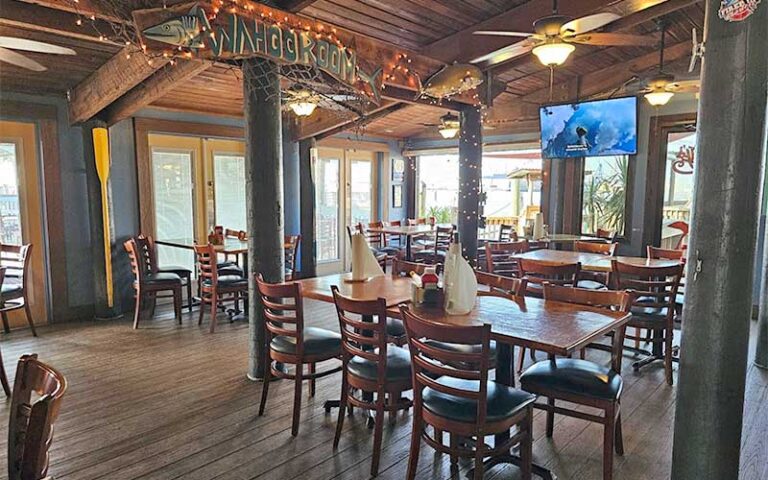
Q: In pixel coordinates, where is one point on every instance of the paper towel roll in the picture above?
(538, 226)
(364, 264)
(460, 283)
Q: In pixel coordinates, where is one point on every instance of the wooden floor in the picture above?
(169, 401)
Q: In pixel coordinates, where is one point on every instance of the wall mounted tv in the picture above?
(589, 129)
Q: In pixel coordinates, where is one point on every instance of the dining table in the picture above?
(592, 262)
(555, 328)
(408, 232)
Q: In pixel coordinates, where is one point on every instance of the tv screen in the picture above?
(589, 129)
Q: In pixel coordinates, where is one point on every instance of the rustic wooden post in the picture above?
(264, 193)
(713, 359)
(307, 201)
(470, 177)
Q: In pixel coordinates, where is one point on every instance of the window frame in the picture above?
(624, 237)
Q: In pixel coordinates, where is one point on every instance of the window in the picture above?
(604, 194)
(229, 178)
(360, 191)
(327, 209)
(173, 204)
(10, 212)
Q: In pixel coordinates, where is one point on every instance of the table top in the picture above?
(553, 327)
(566, 238)
(591, 261)
(231, 245)
(406, 230)
(395, 290)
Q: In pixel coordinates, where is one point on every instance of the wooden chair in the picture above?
(3, 375)
(438, 249)
(452, 393)
(403, 268)
(666, 254)
(515, 287)
(30, 428)
(290, 342)
(682, 242)
(605, 234)
(184, 273)
(147, 282)
(291, 246)
(14, 290)
(499, 257)
(378, 241)
(537, 273)
(507, 233)
(215, 289)
(583, 382)
(594, 280)
(653, 307)
(395, 241)
(370, 366)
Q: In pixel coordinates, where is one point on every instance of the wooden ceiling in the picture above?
(417, 25)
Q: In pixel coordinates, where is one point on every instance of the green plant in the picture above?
(605, 195)
(441, 214)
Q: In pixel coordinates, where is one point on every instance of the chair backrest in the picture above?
(666, 254)
(350, 231)
(16, 260)
(609, 235)
(682, 242)
(361, 338)
(403, 268)
(537, 273)
(507, 233)
(601, 248)
(616, 300)
(374, 239)
(2, 275)
(430, 363)
(499, 284)
(655, 287)
(283, 310)
(30, 429)
(291, 246)
(395, 223)
(242, 235)
(443, 237)
(206, 264)
(498, 257)
(229, 233)
(140, 256)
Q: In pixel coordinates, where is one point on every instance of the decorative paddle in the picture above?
(101, 155)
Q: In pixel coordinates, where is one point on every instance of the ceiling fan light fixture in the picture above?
(658, 98)
(303, 108)
(448, 132)
(553, 54)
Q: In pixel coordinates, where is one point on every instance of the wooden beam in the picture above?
(294, 6)
(153, 88)
(399, 94)
(111, 81)
(383, 112)
(34, 17)
(325, 120)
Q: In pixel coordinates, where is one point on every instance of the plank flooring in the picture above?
(172, 402)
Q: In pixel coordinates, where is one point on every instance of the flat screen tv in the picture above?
(589, 129)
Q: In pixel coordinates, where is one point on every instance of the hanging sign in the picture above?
(737, 10)
(215, 31)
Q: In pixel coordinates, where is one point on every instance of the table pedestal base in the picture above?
(538, 470)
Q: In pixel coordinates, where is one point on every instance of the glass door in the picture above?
(678, 187)
(226, 162)
(361, 188)
(328, 210)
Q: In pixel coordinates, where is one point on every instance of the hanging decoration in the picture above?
(737, 10)
(452, 80)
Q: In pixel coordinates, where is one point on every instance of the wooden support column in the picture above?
(307, 201)
(470, 177)
(411, 190)
(718, 290)
(264, 194)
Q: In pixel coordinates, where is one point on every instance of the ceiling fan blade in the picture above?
(588, 23)
(34, 46)
(684, 86)
(615, 39)
(499, 33)
(503, 54)
(342, 98)
(9, 56)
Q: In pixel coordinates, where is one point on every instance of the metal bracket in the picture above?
(697, 50)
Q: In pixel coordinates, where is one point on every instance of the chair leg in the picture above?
(137, 310)
(550, 417)
(526, 447)
(609, 434)
(153, 298)
(413, 454)
(28, 314)
(297, 399)
(479, 454)
(342, 409)
(4, 377)
(189, 292)
(265, 387)
(454, 444)
(6, 327)
(312, 382)
(214, 310)
(637, 338)
(202, 311)
(619, 436)
(378, 431)
(521, 360)
(668, 336)
(177, 303)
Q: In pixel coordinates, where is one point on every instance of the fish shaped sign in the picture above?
(208, 32)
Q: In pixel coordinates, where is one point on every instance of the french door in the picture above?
(345, 195)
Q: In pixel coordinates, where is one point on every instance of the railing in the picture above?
(676, 213)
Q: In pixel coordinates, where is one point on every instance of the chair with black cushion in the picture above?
(148, 283)
(292, 343)
(499, 257)
(438, 249)
(452, 394)
(653, 308)
(583, 382)
(594, 280)
(672, 254)
(507, 233)
(536, 273)
(378, 241)
(216, 289)
(370, 366)
(14, 292)
(38, 392)
(3, 375)
(395, 241)
(403, 268)
(291, 245)
(184, 273)
(381, 257)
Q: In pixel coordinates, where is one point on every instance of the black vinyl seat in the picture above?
(572, 376)
(503, 401)
(229, 280)
(12, 291)
(316, 341)
(162, 278)
(591, 285)
(398, 365)
(395, 328)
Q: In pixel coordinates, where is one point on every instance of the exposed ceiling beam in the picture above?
(360, 121)
(82, 7)
(111, 81)
(34, 17)
(404, 95)
(153, 88)
(324, 121)
(294, 6)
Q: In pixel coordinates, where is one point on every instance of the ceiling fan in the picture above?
(448, 127)
(303, 101)
(662, 86)
(8, 55)
(553, 36)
